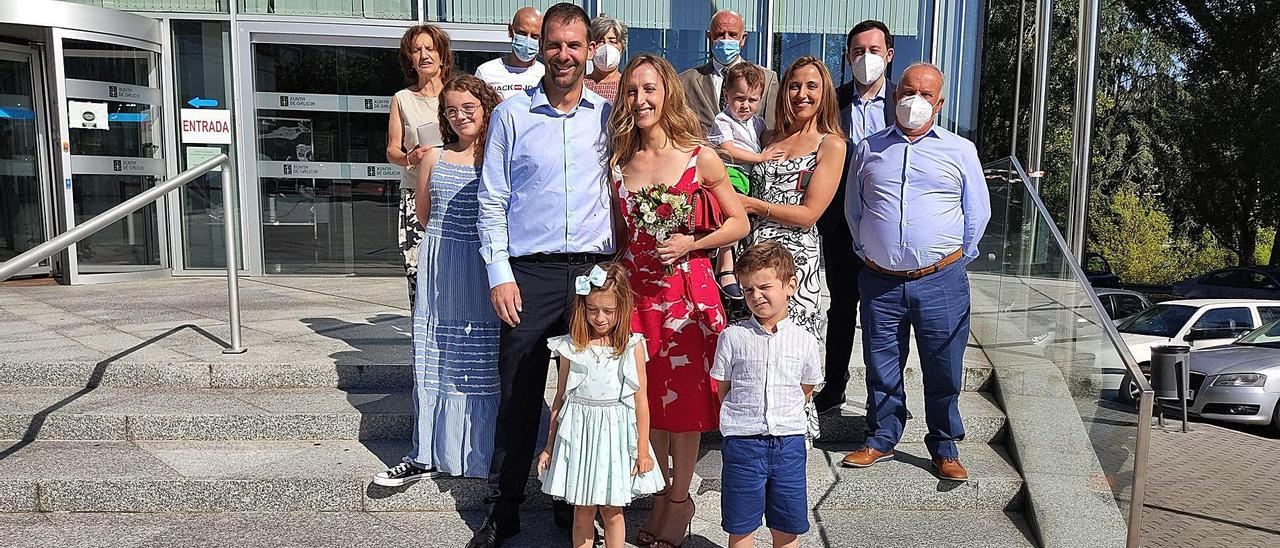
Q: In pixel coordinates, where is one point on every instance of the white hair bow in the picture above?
(597, 278)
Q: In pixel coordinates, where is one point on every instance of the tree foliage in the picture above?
(1184, 124)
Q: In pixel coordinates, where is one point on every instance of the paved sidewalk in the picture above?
(1214, 486)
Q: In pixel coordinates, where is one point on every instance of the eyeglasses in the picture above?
(467, 109)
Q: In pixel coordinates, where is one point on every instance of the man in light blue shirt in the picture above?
(545, 218)
(917, 204)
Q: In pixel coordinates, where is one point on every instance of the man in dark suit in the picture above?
(866, 106)
(726, 36)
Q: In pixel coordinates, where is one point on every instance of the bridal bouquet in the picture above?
(660, 211)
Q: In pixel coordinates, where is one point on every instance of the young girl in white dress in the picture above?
(598, 456)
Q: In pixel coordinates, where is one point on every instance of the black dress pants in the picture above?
(546, 285)
(842, 269)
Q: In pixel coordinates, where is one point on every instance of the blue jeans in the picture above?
(937, 307)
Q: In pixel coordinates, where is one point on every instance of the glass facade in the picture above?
(677, 31)
(202, 62)
(329, 199)
(22, 221)
(315, 192)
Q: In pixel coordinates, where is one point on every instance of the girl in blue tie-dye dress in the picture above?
(455, 331)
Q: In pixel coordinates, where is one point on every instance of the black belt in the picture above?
(564, 258)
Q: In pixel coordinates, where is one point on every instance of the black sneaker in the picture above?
(402, 474)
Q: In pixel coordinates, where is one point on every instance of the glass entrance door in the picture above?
(23, 195)
(113, 151)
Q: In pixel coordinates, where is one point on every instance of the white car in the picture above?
(1198, 323)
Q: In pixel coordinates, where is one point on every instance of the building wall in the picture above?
(332, 212)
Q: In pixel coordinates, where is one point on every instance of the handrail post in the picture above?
(233, 279)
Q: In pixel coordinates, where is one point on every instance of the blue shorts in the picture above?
(764, 476)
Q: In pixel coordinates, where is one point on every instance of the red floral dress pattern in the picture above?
(681, 318)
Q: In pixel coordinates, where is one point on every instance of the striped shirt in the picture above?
(765, 372)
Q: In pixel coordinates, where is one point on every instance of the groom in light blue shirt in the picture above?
(545, 218)
(917, 204)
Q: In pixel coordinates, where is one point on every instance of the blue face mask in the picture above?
(726, 51)
(524, 47)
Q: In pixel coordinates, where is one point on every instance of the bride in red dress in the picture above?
(657, 139)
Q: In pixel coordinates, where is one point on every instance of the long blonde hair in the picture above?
(678, 121)
(616, 284)
(828, 116)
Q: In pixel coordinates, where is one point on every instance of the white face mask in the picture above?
(914, 112)
(867, 68)
(607, 57)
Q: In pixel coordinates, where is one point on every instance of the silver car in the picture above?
(1239, 382)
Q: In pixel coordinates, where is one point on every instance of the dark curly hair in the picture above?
(489, 99)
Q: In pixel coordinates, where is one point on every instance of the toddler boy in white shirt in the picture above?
(736, 134)
(767, 368)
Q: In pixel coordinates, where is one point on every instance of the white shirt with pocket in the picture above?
(765, 371)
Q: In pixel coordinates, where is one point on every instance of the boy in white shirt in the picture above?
(736, 134)
(766, 368)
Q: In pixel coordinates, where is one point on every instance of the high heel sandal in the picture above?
(645, 538)
(687, 529)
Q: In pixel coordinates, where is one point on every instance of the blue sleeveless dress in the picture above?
(455, 334)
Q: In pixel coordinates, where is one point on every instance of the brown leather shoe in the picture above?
(865, 457)
(950, 469)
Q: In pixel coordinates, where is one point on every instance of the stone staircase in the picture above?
(146, 451)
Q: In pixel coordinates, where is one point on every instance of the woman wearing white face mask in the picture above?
(610, 38)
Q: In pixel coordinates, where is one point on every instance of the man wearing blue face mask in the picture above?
(726, 35)
(517, 70)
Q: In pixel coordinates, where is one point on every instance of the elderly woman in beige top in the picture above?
(427, 60)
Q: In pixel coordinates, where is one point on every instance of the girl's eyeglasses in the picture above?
(467, 109)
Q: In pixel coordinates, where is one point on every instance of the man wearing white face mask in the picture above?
(610, 37)
(864, 110)
(917, 205)
(727, 35)
(517, 70)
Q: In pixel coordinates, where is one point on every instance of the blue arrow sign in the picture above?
(202, 103)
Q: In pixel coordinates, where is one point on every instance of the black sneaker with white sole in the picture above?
(402, 474)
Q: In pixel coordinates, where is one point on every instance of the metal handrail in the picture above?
(83, 230)
(1146, 401)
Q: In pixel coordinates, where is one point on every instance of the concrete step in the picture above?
(228, 374)
(231, 374)
(984, 422)
(284, 476)
(211, 414)
(408, 529)
(54, 413)
(905, 483)
(977, 376)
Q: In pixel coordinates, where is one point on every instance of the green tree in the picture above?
(1228, 129)
(1134, 234)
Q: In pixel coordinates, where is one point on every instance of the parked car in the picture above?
(1098, 271)
(1239, 382)
(1241, 282)
(1200, 323)
(1122, 303)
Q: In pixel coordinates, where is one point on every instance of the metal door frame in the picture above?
(71, 273)
(34, 55)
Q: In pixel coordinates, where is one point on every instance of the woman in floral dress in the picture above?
(789, 195)
(657, 141)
